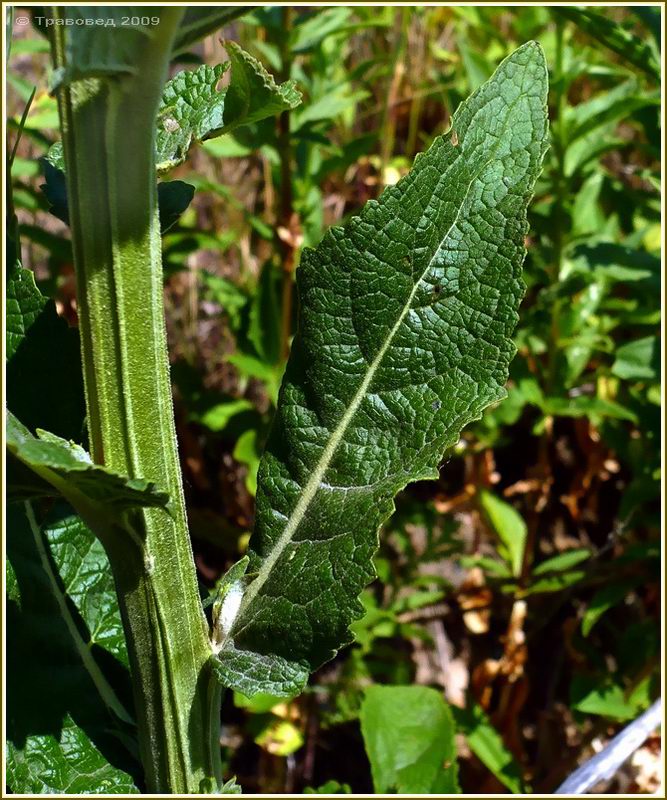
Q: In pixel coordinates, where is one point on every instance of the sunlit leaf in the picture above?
(405, 323)
(409, 738)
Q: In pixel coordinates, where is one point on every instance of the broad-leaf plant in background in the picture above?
(404, 337)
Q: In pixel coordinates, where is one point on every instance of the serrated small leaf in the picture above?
(194, 108)
(231, 787)
(69, 469)
(253, 94)
(406, 316)
(409, 738)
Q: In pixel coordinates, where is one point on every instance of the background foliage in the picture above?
(524, 584)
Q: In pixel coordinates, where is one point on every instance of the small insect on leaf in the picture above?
(454, 138)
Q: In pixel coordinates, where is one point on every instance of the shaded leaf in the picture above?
(70, 764)
(54, 187)
(44, 378)
(555, 583)
(264, 316)
(590, 694)
(218, 416)
(323, 22)
(585, 406)
(409, 738)
(84, 569)
(604, 598)
(173, 196)
(330, 787)
(328, 106)
(607, 107)
(64, 712)
(405, 324)
(252, 367)
(247, 452)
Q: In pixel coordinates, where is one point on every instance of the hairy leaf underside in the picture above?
(404, 335)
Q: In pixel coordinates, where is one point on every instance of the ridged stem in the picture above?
(108, 132)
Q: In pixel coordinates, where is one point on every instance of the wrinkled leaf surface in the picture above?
(404, 338)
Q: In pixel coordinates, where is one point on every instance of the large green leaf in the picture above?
(194, 108)
(68, 698)
(404, 337)
(409, 737)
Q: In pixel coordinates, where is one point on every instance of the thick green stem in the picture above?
(108, 130)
